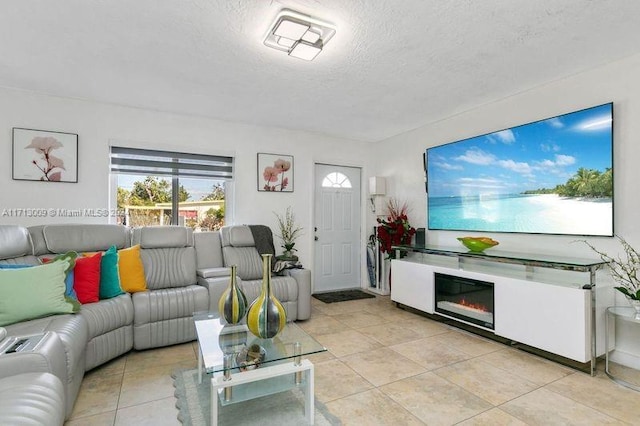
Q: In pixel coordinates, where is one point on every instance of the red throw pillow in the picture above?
(87, 278)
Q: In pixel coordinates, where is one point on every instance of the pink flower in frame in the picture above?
(275, 172)
(44, 145)
(282, 165)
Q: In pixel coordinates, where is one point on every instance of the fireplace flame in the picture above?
(476, 306)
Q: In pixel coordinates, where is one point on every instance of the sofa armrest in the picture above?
(48, 357)
(213, 272)
(303, 278)
(216, 286)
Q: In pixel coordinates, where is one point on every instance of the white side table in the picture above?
(625, 313)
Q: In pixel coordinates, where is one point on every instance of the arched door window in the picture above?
(336, 180)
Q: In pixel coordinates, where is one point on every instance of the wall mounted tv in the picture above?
(553, 176)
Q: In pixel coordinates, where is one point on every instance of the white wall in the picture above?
(400, 159)
(99, 124)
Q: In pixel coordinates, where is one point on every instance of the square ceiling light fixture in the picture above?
(299, 35)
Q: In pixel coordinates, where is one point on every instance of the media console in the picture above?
(543, 301)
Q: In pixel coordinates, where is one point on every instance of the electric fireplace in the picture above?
(465, 299)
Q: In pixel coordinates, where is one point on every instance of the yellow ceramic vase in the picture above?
(266, 316)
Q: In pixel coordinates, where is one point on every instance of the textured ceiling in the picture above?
(392, 65)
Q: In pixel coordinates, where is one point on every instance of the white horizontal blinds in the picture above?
(165, 163)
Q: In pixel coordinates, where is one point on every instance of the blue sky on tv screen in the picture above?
(537, 155)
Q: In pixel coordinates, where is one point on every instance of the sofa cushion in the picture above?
(14, 242)
(131, 270)
(162, 236)
(165, 317)
(208, 249)
(34, 292)
(107, 315)
(169, 267)
(87, 278)
(237, 236)
(84, 238)
(246, 259)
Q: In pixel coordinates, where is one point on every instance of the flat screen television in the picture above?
(553, 176)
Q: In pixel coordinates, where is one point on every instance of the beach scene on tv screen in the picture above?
(552, 176)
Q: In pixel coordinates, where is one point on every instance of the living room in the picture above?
(39, 94)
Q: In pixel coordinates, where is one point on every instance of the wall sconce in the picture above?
(377, 187)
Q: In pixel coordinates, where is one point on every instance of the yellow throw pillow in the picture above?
(131, 270)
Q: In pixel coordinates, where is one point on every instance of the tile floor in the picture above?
(385, 366)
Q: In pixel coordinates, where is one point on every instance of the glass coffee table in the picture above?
(243, 366)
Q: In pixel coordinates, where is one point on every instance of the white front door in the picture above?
(337, 228)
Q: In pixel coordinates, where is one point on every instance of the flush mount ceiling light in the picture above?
(299, 35)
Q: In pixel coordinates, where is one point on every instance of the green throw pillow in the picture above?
(109, 276)
(33, 293)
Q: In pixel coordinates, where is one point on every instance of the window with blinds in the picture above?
(170, 188)
(165, 163)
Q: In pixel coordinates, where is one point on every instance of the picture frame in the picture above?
(275, 172)
(44, 155)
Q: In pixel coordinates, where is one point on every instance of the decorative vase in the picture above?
(266, 316)
(233, 303)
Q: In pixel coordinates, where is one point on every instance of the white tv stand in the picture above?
(543, 301)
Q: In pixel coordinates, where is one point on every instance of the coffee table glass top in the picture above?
(217, 339)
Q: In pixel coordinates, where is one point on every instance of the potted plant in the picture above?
(289, 232)
(624, 271)
(395, 230)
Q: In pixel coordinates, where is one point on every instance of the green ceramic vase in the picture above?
(233, 303)
(266, 316)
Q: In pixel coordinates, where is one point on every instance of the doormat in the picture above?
(343, 295)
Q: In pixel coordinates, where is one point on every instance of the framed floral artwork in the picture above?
(46, 156)
(275, 173)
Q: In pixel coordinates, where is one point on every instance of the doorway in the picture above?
(337, 228)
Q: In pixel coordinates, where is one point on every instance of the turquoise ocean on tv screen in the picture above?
(551, 176)
(522, 213)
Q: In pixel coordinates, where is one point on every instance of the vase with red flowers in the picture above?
(395, 229)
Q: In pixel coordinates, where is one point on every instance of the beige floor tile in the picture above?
(468, 343)
(398, 314)
(334, 380)
(430, 354)
(435, 400)
(161, 356)
(143, 385)
(426, 327)
(600, 393)
(382, 366)
(98, 394)
(104, 419)
(544, 407)
(115, 366)
(489, 383)
(371, 408)
(493, 417)
(321, 324)
(360, 319)
(527, 366)
(162, 412)
(347, 342)
(390, 333)
(339, 308)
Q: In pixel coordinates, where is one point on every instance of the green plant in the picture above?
(289, 230)
(623, 270)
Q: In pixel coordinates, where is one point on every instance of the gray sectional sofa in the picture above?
(185, 272)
